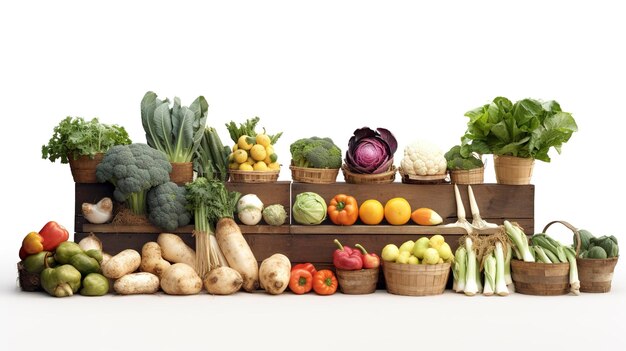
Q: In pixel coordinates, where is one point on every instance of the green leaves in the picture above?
(176, 131)
(528, 128)
(74, 137)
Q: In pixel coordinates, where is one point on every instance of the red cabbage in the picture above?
(370, 152)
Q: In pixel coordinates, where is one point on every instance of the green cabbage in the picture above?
(274, 214)
(309, 208)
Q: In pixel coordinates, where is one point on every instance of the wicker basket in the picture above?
(381, 178)
(358, 282)
(28, 281)
(419, 179)
(182, 172)
(536, 278)
(513, 170)
(84, 168)
(595, 274)
(314, 175)
(253, 176)
(468, 176)
(416, 279)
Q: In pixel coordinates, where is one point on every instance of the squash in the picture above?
(585, 239)
(596, 252)
(609, 244)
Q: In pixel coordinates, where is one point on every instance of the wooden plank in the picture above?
(389, 229)
(494, 200)
(188, 229)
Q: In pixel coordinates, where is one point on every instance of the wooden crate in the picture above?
(315, 243)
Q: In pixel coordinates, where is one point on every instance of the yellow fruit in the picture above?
(413, 260)
(426, 216)
(390, 253)
(250, 161)
(436, 241)
(243, 143)
(371, 212)
(431, 256)
(274, 166)
(403, 257)
(445, 252)
(420, 247)
(245, 167)
(260, 166)
(263, 139)
(235, 147)
(233, 165)
(257, 152)
(407, 246)
(269, 149)
(397, 211)
(240, 156)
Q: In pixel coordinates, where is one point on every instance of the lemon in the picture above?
(257, 152)
(235, 147)
(274, 166)
(233, 165)
(240, 156)
(243, 142)
(245, 167)
(263, 139)
(250, 161)
(260, 166)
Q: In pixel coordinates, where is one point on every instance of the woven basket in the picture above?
(182, 172)
(28, 281)
(513, 170)
(468, 176)
(253, 176)
(595, 274)
(358, 282)
(537, 278)
(314, 175)
(416, 279)
(84, 168)
(419, 179)
(381, 178)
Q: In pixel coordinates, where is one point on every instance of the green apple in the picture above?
(407, 246)
(403, 257)
(431, 256)
(390, 253)
(420, 247)
(413, 260)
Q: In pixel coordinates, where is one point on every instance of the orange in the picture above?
(371, 212)
(397, 211)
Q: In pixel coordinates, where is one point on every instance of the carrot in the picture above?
(238, 252)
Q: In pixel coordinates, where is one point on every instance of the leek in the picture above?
(541, 254)
(500, 263)
(490, 275)
(574, 283)
(520, 241)
(471, 287)
(459, 270)
(507, 266)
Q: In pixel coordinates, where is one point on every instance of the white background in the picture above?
(319, 68)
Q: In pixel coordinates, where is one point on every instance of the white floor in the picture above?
(379, 321)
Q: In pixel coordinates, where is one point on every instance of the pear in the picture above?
(436, 241)
(413, 260)
(445, 252)
(407, 246)
(431, 256)
(403, 257)
(420, 247)
(390, 253)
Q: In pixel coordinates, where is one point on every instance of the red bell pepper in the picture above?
(308, 266)
(53, 234)
(347, 258)
(325, 282)
(301, 281)
(370, 260)
(32, 243)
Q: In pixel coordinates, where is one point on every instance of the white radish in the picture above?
(238, 252)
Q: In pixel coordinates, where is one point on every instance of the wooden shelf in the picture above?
(381, 230)
(188, 229)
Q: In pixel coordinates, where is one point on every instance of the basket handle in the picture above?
(570, 227)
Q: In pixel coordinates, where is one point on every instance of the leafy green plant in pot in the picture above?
(177, 131)
(465, 165)
(82, 143)
(517, 134)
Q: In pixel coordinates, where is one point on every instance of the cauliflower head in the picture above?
(423, 158)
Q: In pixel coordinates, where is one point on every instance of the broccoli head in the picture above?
(315, 152)
(133, 169)
(167, 206)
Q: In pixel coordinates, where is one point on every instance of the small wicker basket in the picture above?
(419, 179)
(237, 176)
(416, 279)
(513, 170)
(182, 172)
(595, 274)
(537, 278)
(314, 175)
(358, 282)
(380, 178)
(468, 176)
(28, 281)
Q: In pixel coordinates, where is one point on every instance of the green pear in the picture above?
(403, 257)
(445, 252)
(390, 253)
(431, 256)
(407, 246)
(413, 260)
(420, 247)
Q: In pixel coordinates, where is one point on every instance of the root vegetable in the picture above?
(223, 281)
(174, 249)
(121, 264)
(90, 242)
(238, 252)
(100, 212)
(274, 274)
(105, 258)
(181, 279)
(137, 283)
(151, 259)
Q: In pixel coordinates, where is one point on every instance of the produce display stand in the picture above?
(304, 243)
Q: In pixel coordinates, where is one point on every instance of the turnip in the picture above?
(274, 274)
(249, 209)
(181, 279)
(223, 281)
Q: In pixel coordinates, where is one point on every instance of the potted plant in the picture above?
(518, 134)
(465, 166)
(82, 144)
(176, 131)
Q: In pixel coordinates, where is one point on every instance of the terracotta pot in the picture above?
(513, 170)
(182, 172)
(84, 168)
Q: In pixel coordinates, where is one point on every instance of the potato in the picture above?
(223, 281)
(181, 279)
(151, 260)
(121, 264)
(137, 283)
(174, 249)
(274, 274)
